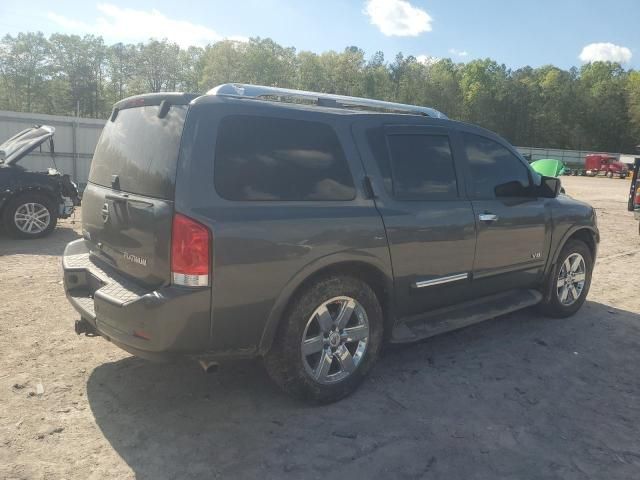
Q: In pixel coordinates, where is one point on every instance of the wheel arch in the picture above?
(368, 269)
(25, 190)
(588, 235)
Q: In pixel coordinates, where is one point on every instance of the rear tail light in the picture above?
(190, 252)
(636, 198)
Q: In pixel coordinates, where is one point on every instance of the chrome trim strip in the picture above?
(441, 280)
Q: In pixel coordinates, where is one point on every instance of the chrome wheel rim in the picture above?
(32, 218)
(571, 279)
(335, 340)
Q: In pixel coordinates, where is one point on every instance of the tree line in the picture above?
(594, 107)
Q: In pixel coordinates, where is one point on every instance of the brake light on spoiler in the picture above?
(190, 252)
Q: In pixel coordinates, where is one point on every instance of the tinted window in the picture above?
(260, 158)
(491, 165)
(141, 149)
(422, 167)
(378, 144)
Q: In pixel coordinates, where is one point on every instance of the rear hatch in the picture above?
(127, 207)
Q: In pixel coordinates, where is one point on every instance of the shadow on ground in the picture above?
(52, 244)
(517, 397)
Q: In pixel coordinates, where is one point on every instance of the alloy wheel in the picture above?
(571, 279)
(335, 340)
(32, 218)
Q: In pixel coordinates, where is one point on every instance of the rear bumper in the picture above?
(162, 323)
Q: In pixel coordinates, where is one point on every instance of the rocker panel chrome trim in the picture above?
(441, 280)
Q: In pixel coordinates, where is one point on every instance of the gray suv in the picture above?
(309, 229)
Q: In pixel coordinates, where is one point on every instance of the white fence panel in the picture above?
(570, 157)
(75, 140)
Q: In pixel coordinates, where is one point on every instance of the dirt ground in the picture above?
(519, 397)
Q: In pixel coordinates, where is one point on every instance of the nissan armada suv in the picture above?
(308, 229)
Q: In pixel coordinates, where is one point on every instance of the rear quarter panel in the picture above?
(262, 251)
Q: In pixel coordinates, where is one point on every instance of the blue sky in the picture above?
(562, 32)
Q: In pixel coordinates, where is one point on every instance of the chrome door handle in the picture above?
(488, 217)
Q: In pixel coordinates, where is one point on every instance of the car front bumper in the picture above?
(153, 323)
(66, 207)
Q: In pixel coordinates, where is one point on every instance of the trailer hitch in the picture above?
(83, 326)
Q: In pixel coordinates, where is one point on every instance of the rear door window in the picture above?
(422, 167)
(415, 166)
(141, 149)
(264, 158)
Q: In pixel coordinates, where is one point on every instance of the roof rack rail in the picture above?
(259, 92)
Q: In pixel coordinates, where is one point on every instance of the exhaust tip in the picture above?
(208, 366)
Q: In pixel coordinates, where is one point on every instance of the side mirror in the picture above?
(550, 187)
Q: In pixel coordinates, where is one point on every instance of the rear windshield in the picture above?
(141, 149)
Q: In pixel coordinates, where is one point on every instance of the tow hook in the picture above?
(82, 326)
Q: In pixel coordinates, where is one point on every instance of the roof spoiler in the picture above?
(164, 99)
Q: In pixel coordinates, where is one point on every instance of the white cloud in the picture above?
(458, 53)
(67, 23)
(605, 52)
(427, 59)
(128, 24)
(397, 18)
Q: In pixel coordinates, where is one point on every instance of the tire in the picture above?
(610, 174)
(298, 374)
(553, 304)
(18, 210)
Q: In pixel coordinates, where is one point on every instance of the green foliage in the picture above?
(24, 65)
(596, 107)
(633, 100)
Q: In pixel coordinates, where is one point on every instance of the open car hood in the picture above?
(23, 143)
